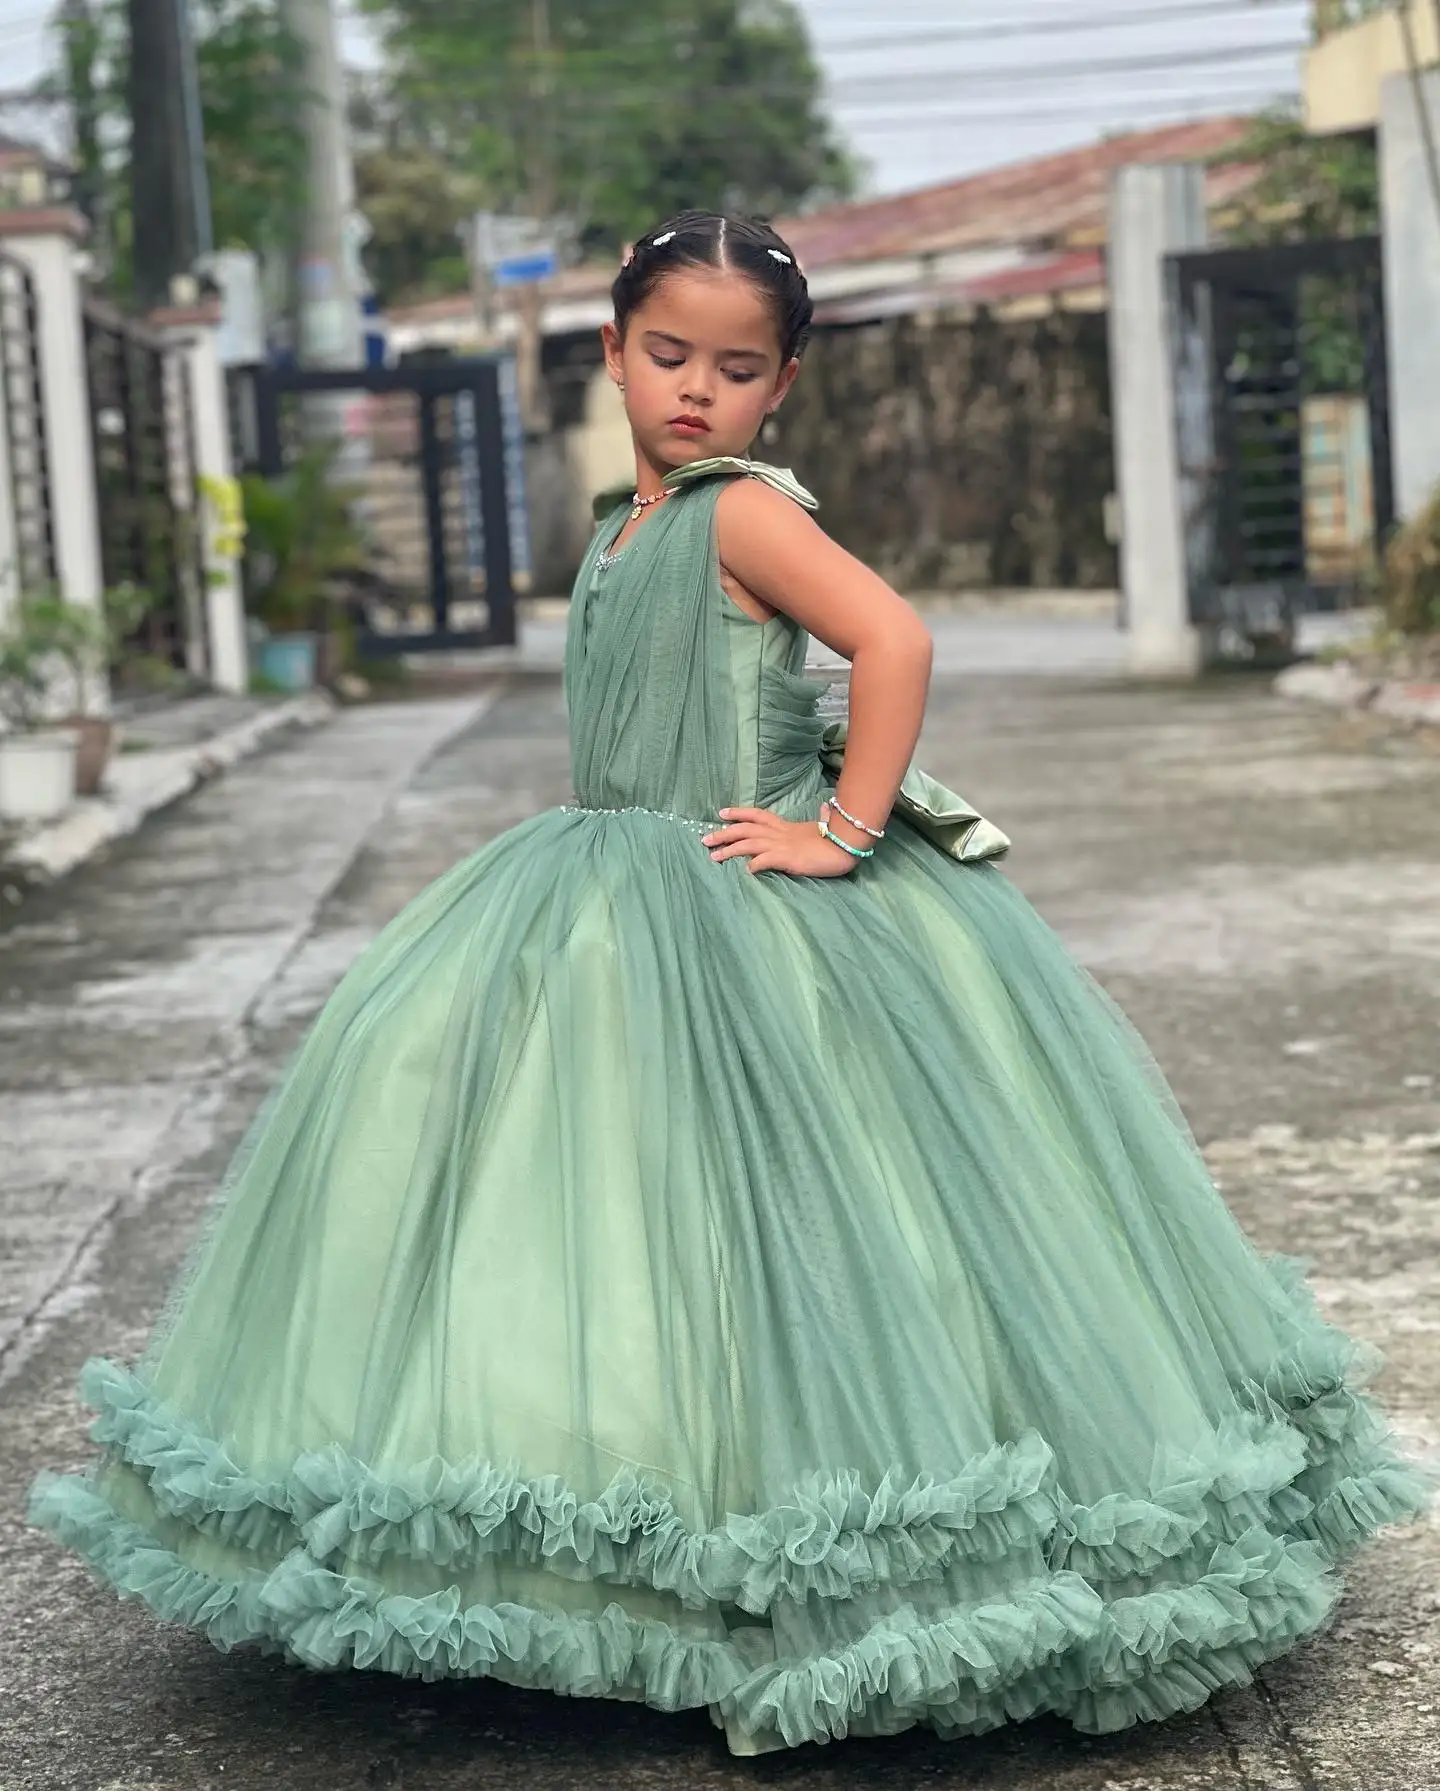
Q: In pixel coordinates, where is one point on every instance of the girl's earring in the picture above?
(621, 384)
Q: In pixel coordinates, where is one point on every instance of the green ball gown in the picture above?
(796, 1298)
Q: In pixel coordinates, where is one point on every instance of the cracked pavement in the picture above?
(1258, 885)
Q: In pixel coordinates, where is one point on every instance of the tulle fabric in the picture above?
(800, 1298)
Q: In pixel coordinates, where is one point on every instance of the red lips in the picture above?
(687, 422)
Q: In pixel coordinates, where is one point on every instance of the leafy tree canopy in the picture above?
(1309, 188)
(251, 96)
(606, 116)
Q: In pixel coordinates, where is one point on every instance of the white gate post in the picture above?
(47, 239)
(192, 333)
(1412, 288)
(1155, 211)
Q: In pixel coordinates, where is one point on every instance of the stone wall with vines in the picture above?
(956, 454)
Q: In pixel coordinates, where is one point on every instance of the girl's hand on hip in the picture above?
(796, 847)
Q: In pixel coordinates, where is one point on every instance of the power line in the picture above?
(1052, 22)
(1215, 103)
(1044, 13)
(1211, 105)
(1001, 105)
(849, 91)
(1011, 105)
(1025, 74)
(1066, 27)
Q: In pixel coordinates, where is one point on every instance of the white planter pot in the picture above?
(37, 775)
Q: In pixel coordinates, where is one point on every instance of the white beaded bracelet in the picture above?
(875, 833)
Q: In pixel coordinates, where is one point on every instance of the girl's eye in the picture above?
(660, 361)
(740, 379)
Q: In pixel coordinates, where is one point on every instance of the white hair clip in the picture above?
(659, 242)
(779, 257)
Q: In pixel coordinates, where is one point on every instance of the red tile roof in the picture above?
(1081, 270)
(1039, 203)
(1029, 201)
(1056, 273)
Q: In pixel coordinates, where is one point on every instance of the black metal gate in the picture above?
(1282, 402)
(25, 451)
(147, 481)
(425, 445)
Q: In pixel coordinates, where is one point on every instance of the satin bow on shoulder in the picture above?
(729, 466)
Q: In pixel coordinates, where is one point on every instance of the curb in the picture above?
(139, 787)
(1340, 686)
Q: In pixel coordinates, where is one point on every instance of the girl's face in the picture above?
(701, 366)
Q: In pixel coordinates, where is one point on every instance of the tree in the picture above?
(1335, 15)
(415, 205)
(412, 196)
(250, 94)
(611, 114)
(251, 99)
(82, 47)
(1308, 188)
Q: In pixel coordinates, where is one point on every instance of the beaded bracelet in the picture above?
(835, 840)
(875, 833)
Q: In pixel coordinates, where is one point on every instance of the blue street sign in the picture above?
(523, 270)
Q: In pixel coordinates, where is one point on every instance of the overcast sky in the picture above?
(929, 89)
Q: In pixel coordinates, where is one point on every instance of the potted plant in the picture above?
(37, 753)
(91, 642)
(301, 534)
(1410, 582)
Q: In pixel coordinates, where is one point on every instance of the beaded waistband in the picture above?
(689, 821)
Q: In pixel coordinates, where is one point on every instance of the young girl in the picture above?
(716, 1247)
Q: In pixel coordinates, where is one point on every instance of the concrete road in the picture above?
(1259, 885)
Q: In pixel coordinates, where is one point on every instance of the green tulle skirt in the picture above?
(796, 1298)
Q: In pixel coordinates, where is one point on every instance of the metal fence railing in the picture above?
(147, 479)
(26, 450)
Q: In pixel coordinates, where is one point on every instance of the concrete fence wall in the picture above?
(48, 242)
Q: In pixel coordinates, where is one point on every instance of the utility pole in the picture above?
(541, 185)
(326, 307)
(194, 127)
(479, 252)
(1420, 88)
(169, 196)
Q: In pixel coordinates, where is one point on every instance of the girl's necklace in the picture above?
(639, 505)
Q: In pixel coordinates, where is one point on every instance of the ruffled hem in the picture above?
(1239, 1541)
(1058, 1649)
(831, 1538)
(1053, 1646)
(325, 1620)
(1313, 1460)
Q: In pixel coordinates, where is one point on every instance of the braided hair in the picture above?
(745, 245)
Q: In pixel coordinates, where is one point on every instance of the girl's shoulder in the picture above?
(722, 466)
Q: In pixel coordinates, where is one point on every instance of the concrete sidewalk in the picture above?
(164, 753)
